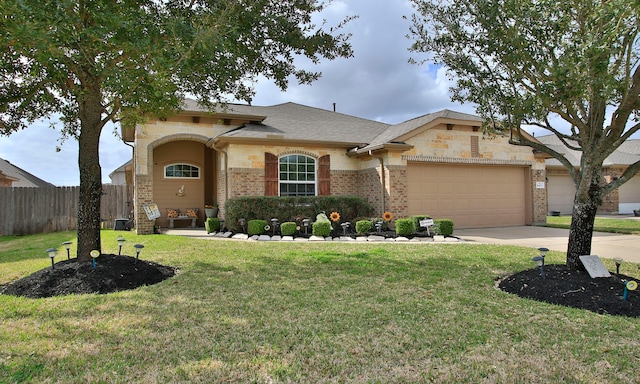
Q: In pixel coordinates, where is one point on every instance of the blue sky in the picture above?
(378, 83)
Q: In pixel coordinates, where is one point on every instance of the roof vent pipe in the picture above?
(334, 107)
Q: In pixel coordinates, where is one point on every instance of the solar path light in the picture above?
(67, 245)
(138, 248)
(120, 241)
(52, 254)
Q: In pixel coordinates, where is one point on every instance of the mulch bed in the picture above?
(576, 289)
(112, 273)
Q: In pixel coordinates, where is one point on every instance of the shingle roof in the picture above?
(25, 179)
(628, 153)
(296, 122)
(395, 131)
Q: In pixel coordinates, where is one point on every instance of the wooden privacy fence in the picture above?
(26, 211)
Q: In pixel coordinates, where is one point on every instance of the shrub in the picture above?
(212, 224)
(416, 221)
(443, 226)
(405, 227)
(256, 227)
(288, 228)
(363, 226)
(321, 228)
(288, 208)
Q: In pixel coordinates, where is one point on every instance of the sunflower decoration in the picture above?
(335, 216)
(387, 216)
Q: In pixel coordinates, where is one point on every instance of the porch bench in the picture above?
(180, 218)
(174, 214)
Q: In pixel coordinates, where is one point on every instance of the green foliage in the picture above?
(256, 227)
(363, 226)
(212, 224)
(416, 221)
(321, 228)
(443, 227)
(288, 228)
(527, 62)
(99, 61)
(293, 208)
(405, 227)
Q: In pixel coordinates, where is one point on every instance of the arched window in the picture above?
(181, 171)
(297, 175)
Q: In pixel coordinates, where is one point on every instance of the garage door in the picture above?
(629, 195)
(560, 192)
(472, 196)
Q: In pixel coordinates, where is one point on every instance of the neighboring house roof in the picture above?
(24, 178)
(627, 154)
(121, 168)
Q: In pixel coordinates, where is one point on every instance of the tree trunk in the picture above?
(581, 233)
(90, 113)
(585, 206)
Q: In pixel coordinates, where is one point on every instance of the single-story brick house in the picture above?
(437, 164)
(561, 190)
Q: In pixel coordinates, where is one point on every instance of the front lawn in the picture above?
(601, 224)
(276, 312)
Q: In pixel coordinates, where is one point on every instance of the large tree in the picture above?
(96, 61)
(570, 67)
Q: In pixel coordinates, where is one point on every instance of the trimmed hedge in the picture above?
(321, 228)
(363, 226)
(288, 228)
(443, 226)
(256, 227)
(405, 227)
(212, 224)
(293, 208)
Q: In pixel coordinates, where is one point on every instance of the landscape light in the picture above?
(120, 241)
(539, 260)
(274, 225)
(345, 226)
(67, 245)
(52, 254)
(305, 224)
(138, 248)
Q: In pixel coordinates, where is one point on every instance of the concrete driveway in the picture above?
(605, 245)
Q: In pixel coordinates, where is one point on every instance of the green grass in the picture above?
(602, 224)
(261, 312)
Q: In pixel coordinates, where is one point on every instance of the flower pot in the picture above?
(211, 212)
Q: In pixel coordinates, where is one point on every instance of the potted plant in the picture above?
(211, 210)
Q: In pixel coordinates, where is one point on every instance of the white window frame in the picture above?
(182, 177)
(297, 182)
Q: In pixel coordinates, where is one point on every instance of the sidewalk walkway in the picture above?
(605, 245)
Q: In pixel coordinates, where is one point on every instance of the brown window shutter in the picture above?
(270, 174)
(324, 176)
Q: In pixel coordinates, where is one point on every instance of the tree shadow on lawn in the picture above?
(117, 273)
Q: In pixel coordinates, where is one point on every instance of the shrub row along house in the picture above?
(437, 164)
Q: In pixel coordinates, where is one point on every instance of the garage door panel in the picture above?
(470, 195)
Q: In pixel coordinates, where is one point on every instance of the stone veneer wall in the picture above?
(539, 196)
(144, 196)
